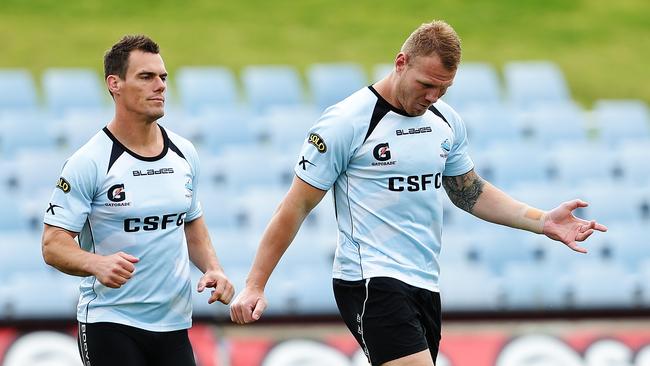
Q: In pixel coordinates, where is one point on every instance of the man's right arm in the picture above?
(61, 251)
(294, 208)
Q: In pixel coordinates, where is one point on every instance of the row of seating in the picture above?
(283, 128)
(525, 85)
(485, 270)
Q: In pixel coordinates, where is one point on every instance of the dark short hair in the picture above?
(116, 60)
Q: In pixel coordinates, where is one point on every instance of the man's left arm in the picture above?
(473, 194)
(203, 256)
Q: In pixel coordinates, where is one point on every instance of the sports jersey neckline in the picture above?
(136, 155)
(390, 106)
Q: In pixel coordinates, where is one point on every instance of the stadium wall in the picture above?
(527, 343)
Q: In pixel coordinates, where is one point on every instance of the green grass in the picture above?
(602, 46)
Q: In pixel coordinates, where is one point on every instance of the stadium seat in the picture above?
(17, 90)
(621, 120)
(287, 128)
(240, 167)
(225, 128)
(551, 124)
(26, 130)
(575, 163)
(38, 170)
(201, 88)
(267, 86)
(613, 203)
(529, 83)
(73, 88)
(73, 130)
(632, 158)
(14, 215)
(466, 287)
(530, 286)
(331, 83)
(258, 205)
(477, 84)
(631, 244)
(515, 163)
(57, 296)
(602, 285)
(487, 125)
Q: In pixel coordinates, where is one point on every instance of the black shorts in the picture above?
(110, 344)
(389, 318)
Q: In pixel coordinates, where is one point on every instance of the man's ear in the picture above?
(401, 61)
(114, 84)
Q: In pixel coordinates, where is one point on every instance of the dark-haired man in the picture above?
(130, 197)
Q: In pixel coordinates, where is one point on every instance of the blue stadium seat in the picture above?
(17, 90)
(74, 129)
(239, 168)
(576, 163)
(57, 296)
(509, 164)
(331, 83)
(476, 83)
(267, 86)
(73, 88)
(614, 202)
(38, 170)
(529, 286)
(602, 284)
(551, 124)
(535, 82)
(622, 120)
(287, 128)
(632, 157)
(487, 125)
(201, 88)
(26, 130)
(465, 287)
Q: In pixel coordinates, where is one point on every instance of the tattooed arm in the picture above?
(473, 194)
(483, 200)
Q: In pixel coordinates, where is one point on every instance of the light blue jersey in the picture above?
(386, 171)
(119, 201)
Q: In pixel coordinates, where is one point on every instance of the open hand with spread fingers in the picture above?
(560, 224)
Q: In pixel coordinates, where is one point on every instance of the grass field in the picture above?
(603, 46)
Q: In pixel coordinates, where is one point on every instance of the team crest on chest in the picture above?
(446, 147)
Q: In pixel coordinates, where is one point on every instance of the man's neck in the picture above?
(386, 88)
(140, 136)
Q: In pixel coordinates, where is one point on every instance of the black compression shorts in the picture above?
(111, 344)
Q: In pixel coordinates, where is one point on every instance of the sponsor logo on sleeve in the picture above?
(318, 142)
(304, 163)
(51, 208)
(63, 185)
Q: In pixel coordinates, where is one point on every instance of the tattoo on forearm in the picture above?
(464, 190)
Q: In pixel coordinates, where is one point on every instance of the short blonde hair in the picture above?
(436, 37)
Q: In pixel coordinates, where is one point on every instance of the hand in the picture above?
(248, 306)
(561, 225)
(114, 270)
(223, 289)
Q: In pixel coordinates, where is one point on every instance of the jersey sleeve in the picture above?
(195, 210)
(458, 162)
(325, 153)
(72, 197)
